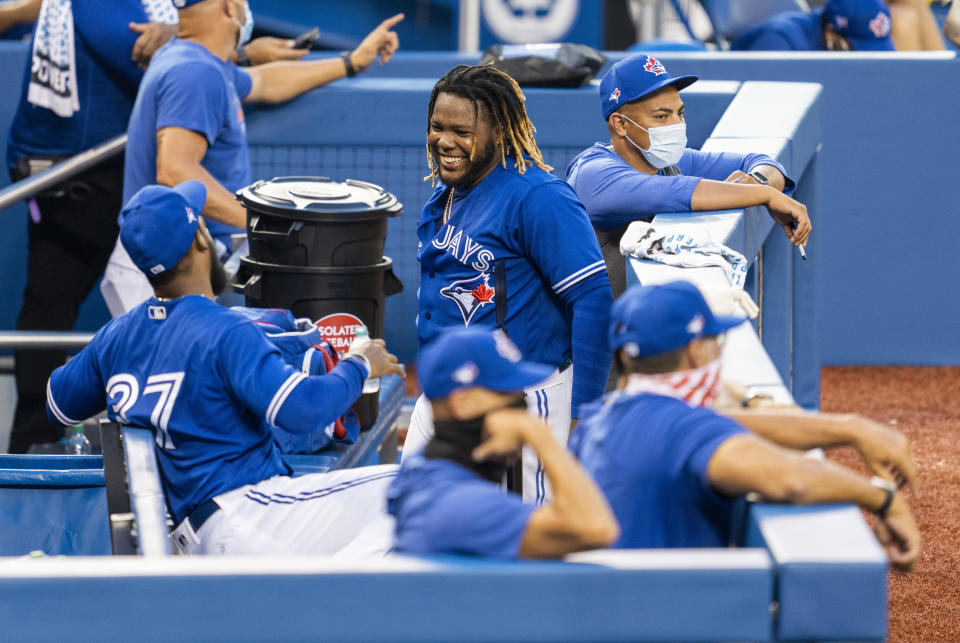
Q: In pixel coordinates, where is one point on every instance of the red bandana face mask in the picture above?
(697, 387)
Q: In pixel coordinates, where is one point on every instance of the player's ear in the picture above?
(615, 124)
(202, 240)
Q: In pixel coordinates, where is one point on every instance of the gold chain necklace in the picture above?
(449, 207)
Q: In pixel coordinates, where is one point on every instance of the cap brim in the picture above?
(194, 193)
(871, 44)
(722, 324)
(522, 375)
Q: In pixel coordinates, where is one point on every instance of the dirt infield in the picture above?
(924, 403)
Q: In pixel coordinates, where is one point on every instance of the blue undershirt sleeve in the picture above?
(590, 303)
(615, 194)
(717, 166)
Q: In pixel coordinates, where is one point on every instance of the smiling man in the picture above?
(647, 168)
(505, 244)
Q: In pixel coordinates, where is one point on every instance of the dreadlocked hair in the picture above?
(503, 99)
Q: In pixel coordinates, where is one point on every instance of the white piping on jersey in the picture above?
(578, 276)
(57, 413)
(307, 359)
(281, 396)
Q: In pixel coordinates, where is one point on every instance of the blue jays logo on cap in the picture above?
(633, 78)
(474, 357)
(864, 23)
(470, 295)
(880, 25)
(654, 66)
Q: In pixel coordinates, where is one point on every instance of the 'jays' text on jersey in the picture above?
(443, 508)
(203, 377)
(186, 86)
(534, 226)
(649, 455)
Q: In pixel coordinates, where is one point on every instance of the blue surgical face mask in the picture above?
(667, 144)
(246, 29)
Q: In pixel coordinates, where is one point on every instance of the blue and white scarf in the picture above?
(53, 77)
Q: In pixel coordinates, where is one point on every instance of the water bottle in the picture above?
(361, 337)
(77, 443)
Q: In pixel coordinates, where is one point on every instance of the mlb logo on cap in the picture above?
(633, 78)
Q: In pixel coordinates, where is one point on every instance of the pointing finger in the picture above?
(390, 22)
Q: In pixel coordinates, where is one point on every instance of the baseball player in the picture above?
(505, 244)
(447, 498)
(647, 168)
(673, 469)
(188, 120)
(204, 378)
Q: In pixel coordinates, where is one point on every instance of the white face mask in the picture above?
(667, 144)
(246, 29)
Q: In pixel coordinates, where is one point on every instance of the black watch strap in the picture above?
(242, 58)
(891, 490)
(759, 177)
(351, 70)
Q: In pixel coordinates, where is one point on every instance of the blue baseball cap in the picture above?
(633, 78)
(649, 320)
(468, 357)
(864, 23)
(158, 224)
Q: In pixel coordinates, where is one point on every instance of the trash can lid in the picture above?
(299, 195)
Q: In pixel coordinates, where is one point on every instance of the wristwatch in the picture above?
(759, 177)
(891, 490)
(243, 60)
(351, 70)
(753, 394)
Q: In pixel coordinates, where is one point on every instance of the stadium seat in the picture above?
(730, 18)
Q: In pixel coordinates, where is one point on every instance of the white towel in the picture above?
(642, 241)
(53, 77)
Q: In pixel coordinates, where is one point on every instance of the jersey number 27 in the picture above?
(123, 391)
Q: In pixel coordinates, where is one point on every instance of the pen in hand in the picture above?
(803, 253)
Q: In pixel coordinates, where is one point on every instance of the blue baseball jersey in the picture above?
(187, 86)
(204, 378)
(106, 80)
(649, 455)
(790, 31)
(443, 508)
(533, 224)
(615, 194)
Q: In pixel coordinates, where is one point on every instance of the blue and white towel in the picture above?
(642, 241)
(53, 77)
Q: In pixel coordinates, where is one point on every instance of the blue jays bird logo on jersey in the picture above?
(654, 66)
(470, 295)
